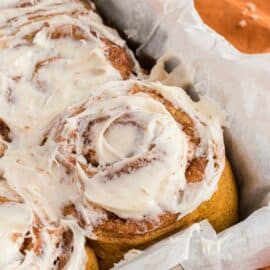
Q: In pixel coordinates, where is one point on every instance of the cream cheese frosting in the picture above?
(121, 151)
(125, 147)
(53, 54)
(26, 242)
(129, 153)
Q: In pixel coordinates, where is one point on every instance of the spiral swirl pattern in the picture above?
(139, 150)
(51, 51)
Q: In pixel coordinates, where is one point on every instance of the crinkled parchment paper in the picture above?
(241, 85)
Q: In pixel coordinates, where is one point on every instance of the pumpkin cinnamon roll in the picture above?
(147, 160)
(27, 243)
(53, 54)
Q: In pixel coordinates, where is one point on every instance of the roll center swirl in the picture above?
(137, 150)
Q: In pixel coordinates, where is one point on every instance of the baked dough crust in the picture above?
(220, 210)
(91, 263)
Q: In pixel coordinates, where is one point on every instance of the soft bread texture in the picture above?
(92, 263)
(132, 196)
(220, 210)
(129, 189)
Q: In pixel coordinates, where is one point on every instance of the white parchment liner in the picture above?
(241, 85)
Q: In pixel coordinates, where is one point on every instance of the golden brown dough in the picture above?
(120, 182)
(220, 210)
(92, 263)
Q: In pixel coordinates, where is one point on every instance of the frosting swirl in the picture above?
(54, 51)
(133, 150)
(139, 149)
(26, 243)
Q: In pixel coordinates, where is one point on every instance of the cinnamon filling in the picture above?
(68, 31)
(38, 240)
(5, 132)
(27, 244)
(195, 171)
(126, 119)
(179, 115)
(33, 241)
(66, 246)
(27, 3)
(130, 167)
(88, 152)
(68, 162)
(119, 58)
(62, 31)
(8, 195)
(70, 211)
(29, 37)
(90, 155)
(43, 63)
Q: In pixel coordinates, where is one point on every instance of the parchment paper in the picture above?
(241, 85)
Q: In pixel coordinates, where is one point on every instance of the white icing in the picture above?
(158, 186)
(51, 176)
(39, 79)
(16, 224)
(42, 181)
(14, 218)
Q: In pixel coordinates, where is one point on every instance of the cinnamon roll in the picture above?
(146, 161)
(53, 52)
(27, 243)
